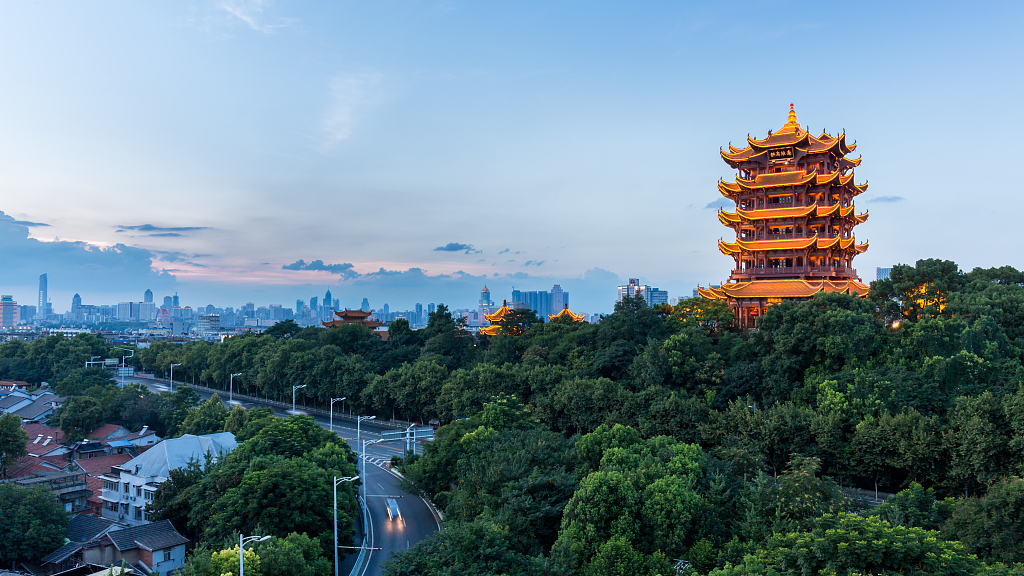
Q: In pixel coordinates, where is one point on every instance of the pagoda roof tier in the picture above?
(500, 314)
(790, 135)
(812, 211)
(566, 313)
(492, 330)
(347, 314)
(783, 289)
(746, 246)
(371, 324)
(793, 178)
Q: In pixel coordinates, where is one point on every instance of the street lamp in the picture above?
(359, 422)
(91, 361)
(333, 400)
(294, 388)
(336, 482)
(172, 375)
(242, 541)
(123, 359)
(231, 387)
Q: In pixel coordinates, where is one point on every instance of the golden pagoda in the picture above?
(793, 220)
(566, 313)
(495, 319)
(347, 316)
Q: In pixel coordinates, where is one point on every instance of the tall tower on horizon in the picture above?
(794, 220)
(148, 296)
(41, 309)
(327, 301)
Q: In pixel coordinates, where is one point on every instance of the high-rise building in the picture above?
(633, 288)
(882, 273)
(419, 314)
(299, 304)
(387, 310)
(559, 300)
(25, 312)
(327, 299)
(41, 307)
(168, 303)
(365, 306)
(148, 296)
(8, 311)
(175, 303)
(313, 303)
(337, 304)
(76, 304)
(485, 298)
(431, 308)
(794, 220)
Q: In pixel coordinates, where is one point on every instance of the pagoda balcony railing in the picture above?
(784, 271)
(823, 236)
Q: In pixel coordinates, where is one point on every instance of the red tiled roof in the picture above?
(101, 465)
(103, 431)
(40, 449)
(29, 465)
(33, 430)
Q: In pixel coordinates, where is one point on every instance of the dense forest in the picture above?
(663, 437)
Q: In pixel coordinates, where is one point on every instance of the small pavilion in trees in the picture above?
(793, 220)
(566, 314)
(347, 316)
(495, 319)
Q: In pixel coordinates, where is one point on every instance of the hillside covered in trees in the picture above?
(665, 434)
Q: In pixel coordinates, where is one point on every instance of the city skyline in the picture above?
(255, 151)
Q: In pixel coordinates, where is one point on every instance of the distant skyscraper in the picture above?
(365, 306)
(298, 305)
(168, 302)
(327, 299)
(559, 299)
(431, 308)
(148, 297)
(882, 273)
(419, 313)
(8, 311)
(41, 308)
(175, 302)
(313, 303)
(652, 296)
(387, 310)
(76, 303)
(337, 304)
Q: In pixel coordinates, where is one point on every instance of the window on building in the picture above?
(167, 555)
(138, 490)
(125, 487)
(149, 494)
(138, 513)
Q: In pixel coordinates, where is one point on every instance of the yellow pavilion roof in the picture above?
(491, 330)
(566, 313)
(499, 314)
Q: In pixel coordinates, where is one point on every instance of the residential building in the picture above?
(155, 549)
(70, 488)
(81, 530)
(129, 487)
(8, 311)
(882, 273)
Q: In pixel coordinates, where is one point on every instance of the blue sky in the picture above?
(210, 147)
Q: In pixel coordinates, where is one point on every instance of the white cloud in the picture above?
(350, 93)
(251, 12)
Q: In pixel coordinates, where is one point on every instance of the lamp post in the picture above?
(294, 388)
(333, 400)
(91, 361)
(359, 422)
(336, 482)
(172, 375)
(123, 359)
(242, 541)
(231, 387)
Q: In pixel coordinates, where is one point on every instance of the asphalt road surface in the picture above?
(417, 520)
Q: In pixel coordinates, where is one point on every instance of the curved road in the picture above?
(417, 521)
